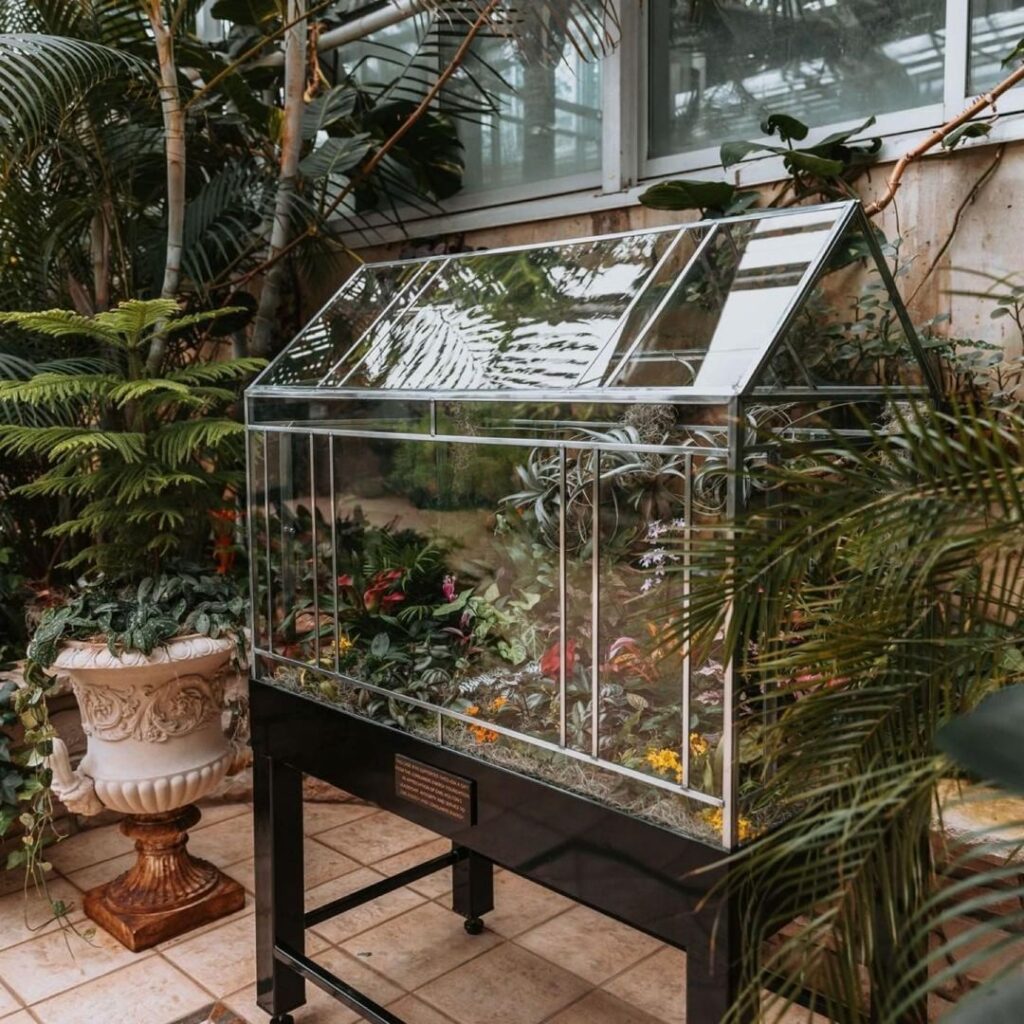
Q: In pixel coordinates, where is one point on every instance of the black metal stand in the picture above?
(631, 870)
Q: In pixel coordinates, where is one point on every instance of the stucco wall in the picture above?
(989, 237)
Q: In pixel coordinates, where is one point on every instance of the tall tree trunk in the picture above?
(99, 246)
(291, 147)
(174, 148)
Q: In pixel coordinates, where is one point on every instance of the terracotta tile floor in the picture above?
(541, 959)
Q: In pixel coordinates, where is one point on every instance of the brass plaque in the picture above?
(437, 790)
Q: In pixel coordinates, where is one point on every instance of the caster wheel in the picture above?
(473, 925)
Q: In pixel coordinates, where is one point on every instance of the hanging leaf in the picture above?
(801, 161)
(1017, 53)
(733, 152)
(335, 156)
(788, 128)
(971, 130)
(689, 195)
(997, 1003)
(987, 742)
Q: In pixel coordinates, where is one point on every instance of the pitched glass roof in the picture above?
(698, 309)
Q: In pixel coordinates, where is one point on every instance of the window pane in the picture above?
(717, 68)
(538, 120)
(996, 28)
(548, 123)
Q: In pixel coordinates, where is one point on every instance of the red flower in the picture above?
(552, 657)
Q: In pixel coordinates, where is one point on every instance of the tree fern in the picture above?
(152, 457)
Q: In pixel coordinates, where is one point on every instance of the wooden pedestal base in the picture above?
(167, 891)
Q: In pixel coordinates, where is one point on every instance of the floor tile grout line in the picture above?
(87, 981)
(10, 991)
(195, 981)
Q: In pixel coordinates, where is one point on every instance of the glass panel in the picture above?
(716, 69)
(720, 317)
(259, 531)
(290, 558)
(328, 340)
(532, 318)
(393, 415)
(440, 595)
(540, 119)
(847, 333)
(996, 28)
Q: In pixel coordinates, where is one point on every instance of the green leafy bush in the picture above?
(149, 457)
(140, 618)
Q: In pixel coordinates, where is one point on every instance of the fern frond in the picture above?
(129, 446)
(131, 319)
(61, 323)
(177, 442)
(214, 373)
(51, 390)
(133, 390)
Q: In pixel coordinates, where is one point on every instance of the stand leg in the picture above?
(712, 966)
(277, 798)
(473, 890)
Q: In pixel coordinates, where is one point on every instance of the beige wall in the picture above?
(989, 238)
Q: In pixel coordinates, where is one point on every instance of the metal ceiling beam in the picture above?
(357, 28)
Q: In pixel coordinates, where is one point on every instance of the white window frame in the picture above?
(626, 171)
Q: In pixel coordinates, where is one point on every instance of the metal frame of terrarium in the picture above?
(737, 381)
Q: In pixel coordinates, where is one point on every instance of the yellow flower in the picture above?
(344, 644)
(666, 762)
(745, 829)
(698, 745)
(498, 703)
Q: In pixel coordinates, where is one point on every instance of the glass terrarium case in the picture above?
(478, 484)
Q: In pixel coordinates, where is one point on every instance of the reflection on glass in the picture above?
(850, 336)
(259, 530)
(996, 28)
(729, 63)
(718, 318)
(427, 588)
(541, 317)
(540, 120)
(329, 339)
(548, 119)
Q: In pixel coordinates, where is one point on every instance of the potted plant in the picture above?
(147, 472)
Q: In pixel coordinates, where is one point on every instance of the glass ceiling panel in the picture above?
(530, 318)
(719, 317)
(332, 334)
(697, 309)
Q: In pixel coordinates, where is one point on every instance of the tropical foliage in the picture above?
(140, 618)
(147, 458)
(878, 598)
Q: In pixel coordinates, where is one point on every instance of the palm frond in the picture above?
(43, 77)
(877, 595)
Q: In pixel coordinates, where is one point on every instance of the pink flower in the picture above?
(448, 589)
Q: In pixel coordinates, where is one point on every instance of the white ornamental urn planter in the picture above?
(155, 745)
